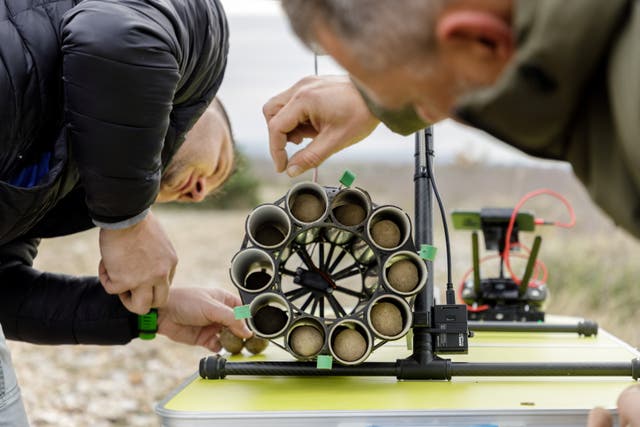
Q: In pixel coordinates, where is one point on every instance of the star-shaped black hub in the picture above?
(323, 279)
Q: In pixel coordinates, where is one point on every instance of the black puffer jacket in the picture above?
(116, 83)
(110, 88)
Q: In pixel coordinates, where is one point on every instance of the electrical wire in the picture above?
(539, 266)
(450, 293)
(507, 248)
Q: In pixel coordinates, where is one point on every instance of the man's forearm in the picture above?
(47, 308)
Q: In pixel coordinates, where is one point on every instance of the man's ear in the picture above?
(480, 33)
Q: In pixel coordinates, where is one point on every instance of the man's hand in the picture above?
(137, 264)
(329, 110)
(628, 410)
(196, 316)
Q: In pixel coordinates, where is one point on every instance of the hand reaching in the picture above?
(196, 316)
(329, 110)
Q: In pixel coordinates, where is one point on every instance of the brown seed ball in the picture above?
(256, 345)
(349, 214)
(269, 320)
(349, 345)
(403, 275)
(230, 342)
(306, 340)
(386, 233)
(307, 207)
(386, 319)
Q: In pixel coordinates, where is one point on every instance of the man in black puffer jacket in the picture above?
(96, 98)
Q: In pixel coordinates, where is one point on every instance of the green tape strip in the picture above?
(410, 339)
(324, 362)
(428, 252)
(242, 312)
(347, 178)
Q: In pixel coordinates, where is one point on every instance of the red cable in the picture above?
(572, 220)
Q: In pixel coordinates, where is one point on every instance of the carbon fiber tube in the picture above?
(586, 328)
(589, 369)
(216, 367)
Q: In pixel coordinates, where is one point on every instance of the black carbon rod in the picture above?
(556, 369)
(216, 367)
(423, 201)
(586, 328)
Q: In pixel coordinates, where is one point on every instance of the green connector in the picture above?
(428, 252)
(242, 312)
(148, 325)
(324, 362)
(347, 178)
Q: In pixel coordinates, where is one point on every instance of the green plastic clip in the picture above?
(324, 362)
(242, 312)
(347, 178)
(428, 252)
(148, 324)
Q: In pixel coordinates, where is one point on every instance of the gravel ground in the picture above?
(119, 385)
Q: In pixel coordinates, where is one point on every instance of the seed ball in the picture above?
(386, 233)
(306, 340)
(349, 345)
(349, 214)
(307, 207)
(256, 345)
(403, 275)
(230, 342)
(386, 319)
(269, 320)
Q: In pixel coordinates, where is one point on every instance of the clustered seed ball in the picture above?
(230, 342)
(349, 214)
(349, 345)
(256, 345)
(386, 318)
(306, 340)
(307, 207)
(386, 233)
(403, 275)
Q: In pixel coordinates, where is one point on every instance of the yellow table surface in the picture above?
(252, 400)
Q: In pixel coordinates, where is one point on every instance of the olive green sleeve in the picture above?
(404, 121)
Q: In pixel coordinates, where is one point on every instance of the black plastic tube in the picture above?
(216, 367)
(586, 328)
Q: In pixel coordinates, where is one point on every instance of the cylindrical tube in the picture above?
(252, 270)
(350, 342)
(405, 273)
(389, 316)
(270, 315)
(388, 228)
(268, 226)
(307, 202)
(362, 252)
(306, 338)
(349, 208)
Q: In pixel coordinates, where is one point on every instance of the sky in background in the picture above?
(265, 58)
